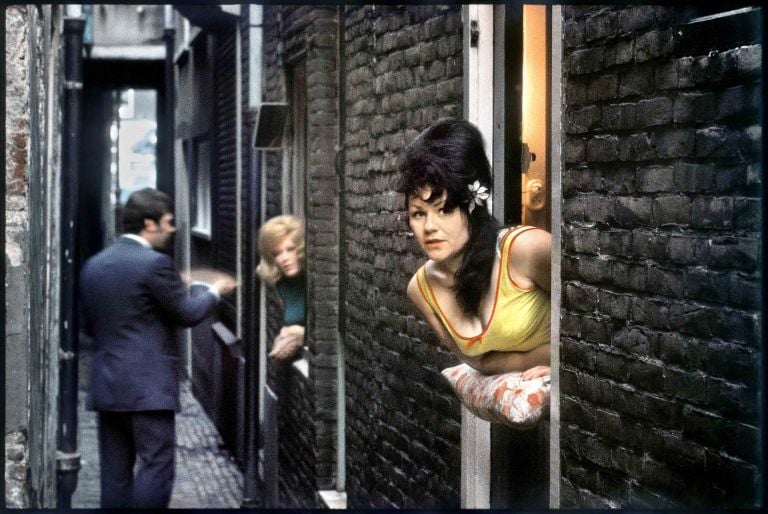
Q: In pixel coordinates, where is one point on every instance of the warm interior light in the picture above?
(535, 87)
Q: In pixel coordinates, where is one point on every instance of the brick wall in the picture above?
(322, 243)
(32, 119)
(403, 71)
(298, 465)
(661, 264)
(307, 435)
(224, 150)
(16, 256)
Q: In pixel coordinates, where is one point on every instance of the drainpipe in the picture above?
(341, 77)
(252, 285)
(169, 36)
(239, 173)
(67, 456)
(251, 327)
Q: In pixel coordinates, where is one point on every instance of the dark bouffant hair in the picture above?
(144, 204)
(449, 156)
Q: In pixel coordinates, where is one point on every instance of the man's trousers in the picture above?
(145, 440)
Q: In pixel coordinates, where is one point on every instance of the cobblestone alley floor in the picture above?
(206, 475)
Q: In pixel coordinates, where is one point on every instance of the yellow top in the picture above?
(520, 319)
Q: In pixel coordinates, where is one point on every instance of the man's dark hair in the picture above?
(449, 156)
(144, 204)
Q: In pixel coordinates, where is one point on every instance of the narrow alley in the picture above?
(159, 158)
(207, 476)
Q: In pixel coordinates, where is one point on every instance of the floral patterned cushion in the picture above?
(504, 398)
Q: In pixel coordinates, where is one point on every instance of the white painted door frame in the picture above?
(556, 203)
(478, 108)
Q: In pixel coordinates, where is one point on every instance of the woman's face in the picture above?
(286, 257)
(441, 233)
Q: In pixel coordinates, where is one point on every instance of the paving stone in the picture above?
(207, 476)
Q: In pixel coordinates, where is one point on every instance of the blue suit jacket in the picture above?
(132, 300)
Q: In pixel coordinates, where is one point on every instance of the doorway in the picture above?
(507, 80)
(123, 129)
(520, 459)
(535, 161)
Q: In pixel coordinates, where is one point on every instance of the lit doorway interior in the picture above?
(507, 62)
(536, 209)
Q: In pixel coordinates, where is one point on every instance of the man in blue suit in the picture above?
(133, 299)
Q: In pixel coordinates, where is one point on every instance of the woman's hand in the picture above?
(536, 372)
(288, 343)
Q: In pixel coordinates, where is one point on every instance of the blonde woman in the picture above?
(281, 246)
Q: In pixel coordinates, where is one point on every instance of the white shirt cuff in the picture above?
(211, 288)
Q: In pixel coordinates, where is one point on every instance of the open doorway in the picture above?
(507, 83)
(520, 459)
(121, 150)
(535, 163)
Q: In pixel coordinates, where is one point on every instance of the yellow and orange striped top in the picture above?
(520, 319)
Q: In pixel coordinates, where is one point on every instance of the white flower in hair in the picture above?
(478, 193)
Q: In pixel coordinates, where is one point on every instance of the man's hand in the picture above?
(225, 285)
(222, 282)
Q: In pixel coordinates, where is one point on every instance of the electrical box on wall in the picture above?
(270, 125)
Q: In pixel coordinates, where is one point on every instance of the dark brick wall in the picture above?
(223, 159)
(32, 172)
(297, 448)
(308, 405)
(403, 71)
(661, 264)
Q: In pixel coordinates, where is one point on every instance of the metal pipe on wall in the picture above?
(239, 176)
(252, 295)
(68, 458)
(341, 475)
(169, 36)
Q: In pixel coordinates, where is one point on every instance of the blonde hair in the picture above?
(271, 234)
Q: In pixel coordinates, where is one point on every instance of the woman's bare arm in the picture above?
(532, 256)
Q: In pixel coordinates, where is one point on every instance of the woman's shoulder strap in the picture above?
(424, 290)
(512, 233)
(500, 239)
(507, 234)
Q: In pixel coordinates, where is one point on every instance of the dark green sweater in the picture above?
(292, 291)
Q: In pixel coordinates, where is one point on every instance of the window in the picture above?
(293, 184)
(716, 28)
(201, 184)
